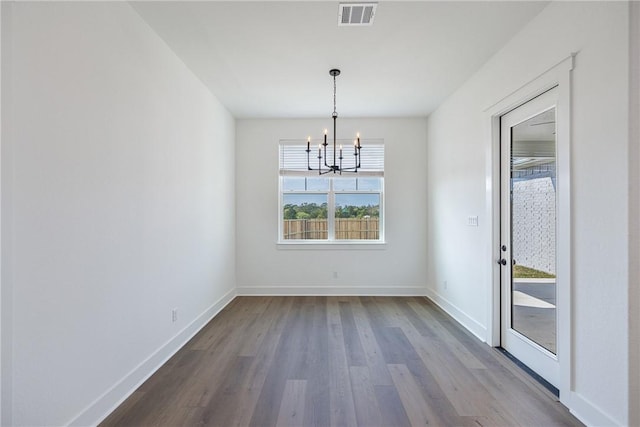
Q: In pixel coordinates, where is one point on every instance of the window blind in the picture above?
(293, 156)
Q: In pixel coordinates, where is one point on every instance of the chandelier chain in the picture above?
(334, 96)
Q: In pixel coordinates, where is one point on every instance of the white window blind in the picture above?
(293, 157)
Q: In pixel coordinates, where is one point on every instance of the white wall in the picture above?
(457, 148)
(3, 378)
(634, 214)
(397, 267)
(120, 202)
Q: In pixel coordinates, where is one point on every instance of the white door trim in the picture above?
(558, 75)
(535, 356)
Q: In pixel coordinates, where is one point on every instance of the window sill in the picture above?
(332, 245)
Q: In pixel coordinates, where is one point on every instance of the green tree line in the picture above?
(313, 210)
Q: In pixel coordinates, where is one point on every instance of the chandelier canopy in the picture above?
(323, 161)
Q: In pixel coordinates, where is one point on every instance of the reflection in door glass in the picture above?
(533, 222)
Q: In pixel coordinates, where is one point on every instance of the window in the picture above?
(332, 208)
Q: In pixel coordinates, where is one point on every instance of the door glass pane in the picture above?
(304, 216)
(533, 232)
(357, 216)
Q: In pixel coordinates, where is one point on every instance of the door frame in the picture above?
(533, 354)
(558, 75)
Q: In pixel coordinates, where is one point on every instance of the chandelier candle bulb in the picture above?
(308, 143)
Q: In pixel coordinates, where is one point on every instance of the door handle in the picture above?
(502, 261)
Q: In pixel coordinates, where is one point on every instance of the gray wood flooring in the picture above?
(338, 361)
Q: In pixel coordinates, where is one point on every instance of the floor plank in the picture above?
(419, 414)
(342, 409)
(338, 361)
(317, 405)
(364, 397)
(375, 360)
(354, 350)
(392, 412)
(292, 406)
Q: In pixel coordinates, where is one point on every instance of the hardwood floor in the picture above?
(338, 361)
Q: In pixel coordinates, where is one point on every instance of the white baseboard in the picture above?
(331, 290)
(589, 413)
(112, 398)
(461, 317)
(580, 407)
(97, 411)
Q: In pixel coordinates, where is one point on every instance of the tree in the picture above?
(289, 212)
(302, 215)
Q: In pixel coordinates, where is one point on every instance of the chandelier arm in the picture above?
(325, 154)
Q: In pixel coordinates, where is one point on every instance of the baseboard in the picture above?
(112, 398)
(332, 290)
(589, 413)
(460, 316)
(580, 407)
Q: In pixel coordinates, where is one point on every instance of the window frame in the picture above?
(331, 213)
(331, 192)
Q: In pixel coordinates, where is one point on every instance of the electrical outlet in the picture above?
(472, 221)
(174, 315)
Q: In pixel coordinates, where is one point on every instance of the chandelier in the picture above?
(323, 161)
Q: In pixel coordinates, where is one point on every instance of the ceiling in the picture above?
(271, 59)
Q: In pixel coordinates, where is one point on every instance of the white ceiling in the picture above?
(272, 59)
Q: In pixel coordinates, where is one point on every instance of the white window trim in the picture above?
(331, 241)
(331, 215)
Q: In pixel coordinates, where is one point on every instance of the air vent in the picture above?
(356, 14)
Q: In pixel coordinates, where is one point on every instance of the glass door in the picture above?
(528, 235)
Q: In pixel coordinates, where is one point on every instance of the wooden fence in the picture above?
(345, 229)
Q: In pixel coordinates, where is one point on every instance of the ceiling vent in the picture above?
(356, 14)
